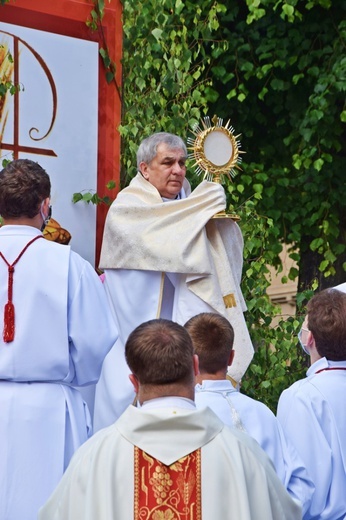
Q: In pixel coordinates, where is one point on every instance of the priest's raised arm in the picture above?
(165, 256)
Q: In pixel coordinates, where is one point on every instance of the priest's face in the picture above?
(166, 171)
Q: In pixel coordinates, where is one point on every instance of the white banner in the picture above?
(54, 120)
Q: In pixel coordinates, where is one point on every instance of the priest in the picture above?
(167, 460)
(165, 256)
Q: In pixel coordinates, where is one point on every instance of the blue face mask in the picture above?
(47, 218)
(300, 333)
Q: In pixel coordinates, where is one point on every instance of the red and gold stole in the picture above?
(167, 492)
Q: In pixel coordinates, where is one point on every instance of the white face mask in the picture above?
(300, 333)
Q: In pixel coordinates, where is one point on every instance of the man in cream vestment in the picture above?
(164, 256)
(106, 480)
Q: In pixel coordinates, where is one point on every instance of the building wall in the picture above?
(283, 294)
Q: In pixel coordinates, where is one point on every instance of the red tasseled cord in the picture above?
(9, 309)
(9, 323)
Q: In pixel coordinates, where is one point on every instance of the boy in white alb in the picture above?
(56, 329)
(212, 337)
(312, 411)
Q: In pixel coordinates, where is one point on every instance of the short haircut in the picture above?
(327, 322)
(160, 352)
(212, 337)
(24, 184)
(148, 148)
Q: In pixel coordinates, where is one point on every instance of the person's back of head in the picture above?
(327, 322)
(24, 184)
(212, 337)
(160, 353)
(148, 148)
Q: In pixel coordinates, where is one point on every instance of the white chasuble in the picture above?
(238, 480)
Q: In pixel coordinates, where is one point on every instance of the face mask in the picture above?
(47, 218)
(300, 333)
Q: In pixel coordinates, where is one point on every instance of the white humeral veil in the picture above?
(176, 262)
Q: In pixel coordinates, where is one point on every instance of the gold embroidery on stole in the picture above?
(167, 492)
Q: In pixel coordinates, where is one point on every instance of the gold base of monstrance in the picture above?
(215, 150)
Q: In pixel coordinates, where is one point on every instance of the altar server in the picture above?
(56, 328)
(213, 337)
(312, 411)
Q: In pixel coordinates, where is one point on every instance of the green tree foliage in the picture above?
(166, 68)
(277, 70)
(284, 79)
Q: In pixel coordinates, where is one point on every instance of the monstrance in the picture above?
(215, 150)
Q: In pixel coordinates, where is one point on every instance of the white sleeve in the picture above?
(91, 327)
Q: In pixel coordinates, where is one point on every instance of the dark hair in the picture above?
(160, 352)
(327, 322)
(24, 184)
(212, 338)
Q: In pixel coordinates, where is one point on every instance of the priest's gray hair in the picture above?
(148, 148)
